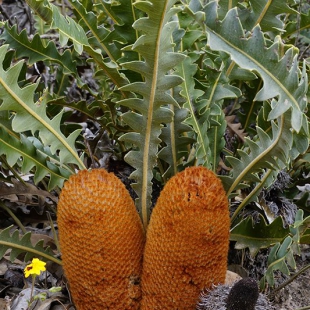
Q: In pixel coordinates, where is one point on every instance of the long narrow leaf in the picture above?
(32, 116)
(280, 73)
(35, 50)
(150, 111)
(258, 236)
(206, 116)
(176, 142)
(97, 36)
(19, 245)
(14, 148)
(265, 153)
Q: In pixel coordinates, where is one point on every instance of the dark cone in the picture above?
(243, 295)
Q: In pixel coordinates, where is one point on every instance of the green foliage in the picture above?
(279, 254)
(30, 115)
(282, 253)
(267, 152)
(279, 81)
(173, 84)
(23, 245)
(35, 49)
(33, 156)
(258, 236)
(151, 108)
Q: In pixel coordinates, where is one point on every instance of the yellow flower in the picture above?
(34, 268)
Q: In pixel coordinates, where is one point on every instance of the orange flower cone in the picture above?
(102, 240)
(187, 241)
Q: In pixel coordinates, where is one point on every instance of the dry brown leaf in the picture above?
(24, 195)
(235, 127)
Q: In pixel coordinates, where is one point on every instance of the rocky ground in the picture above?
(296, 294)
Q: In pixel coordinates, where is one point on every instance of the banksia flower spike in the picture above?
(187, 241)
(102, 240)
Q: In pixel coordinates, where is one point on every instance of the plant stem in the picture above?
(54, 232)
(291, 279)
(15, 218)
(254, 192)
(16, 175)
(32, 286)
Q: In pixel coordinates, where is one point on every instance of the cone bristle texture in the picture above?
(102, 240)
(187, 241)
(243, 295)
(216, 298)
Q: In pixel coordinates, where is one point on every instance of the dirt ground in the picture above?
(296, 295)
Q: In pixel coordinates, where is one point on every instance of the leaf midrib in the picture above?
(41, 121)
(261, 67)
(257, 159)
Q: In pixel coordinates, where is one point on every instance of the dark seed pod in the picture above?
(216, 299)
(243, 295)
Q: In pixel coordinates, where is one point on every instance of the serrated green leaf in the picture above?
(300, 229)
(206, 115)
(305, 238)
(19, 245)
(272, 150)
(258, 236)
(283, 249)
(262, 12)
(189, 38)
(123, 13)
(216, 137)
(15, 148)
(151, 110)
(175, 141)
(35, 50)
(68, 30)
(279, 254)
(97, 36)
(265, 13)
(280, 73)
(32, 116)
(187, 69)
(262, 180)
(41, 8)
(225, 6)
(293, 29)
